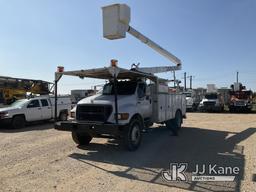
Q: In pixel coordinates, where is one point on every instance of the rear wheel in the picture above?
(81, 138)
(133, 135)
(18, 122)
(175, 124)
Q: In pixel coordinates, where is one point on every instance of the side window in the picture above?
(141, 90)
(44, 102)
(33, 104)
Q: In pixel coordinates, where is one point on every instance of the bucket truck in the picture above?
(131, 100)
(240, 98)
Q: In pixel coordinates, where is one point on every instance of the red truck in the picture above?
(240, 99)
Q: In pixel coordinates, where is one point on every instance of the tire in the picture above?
(231, 109)
(194, 107)
(18, 122)
(63, 116)
(81, 138)
(175, 124)
(133, 135)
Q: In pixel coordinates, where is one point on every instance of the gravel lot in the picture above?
(39, 158)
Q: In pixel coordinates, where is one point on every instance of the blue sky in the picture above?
(213, 38)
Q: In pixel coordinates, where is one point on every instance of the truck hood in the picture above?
(108, 99)
(8, 109)
(209, 100)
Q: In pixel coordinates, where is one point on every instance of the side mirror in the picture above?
(147, 91)
(30, 105)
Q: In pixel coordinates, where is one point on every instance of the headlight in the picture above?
(123, 116)
(4, 114)
(72, 114)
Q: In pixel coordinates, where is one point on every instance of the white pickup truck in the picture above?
(34, 109)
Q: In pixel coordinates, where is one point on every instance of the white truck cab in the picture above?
(190, 101)
(132, 99)
(212, 102)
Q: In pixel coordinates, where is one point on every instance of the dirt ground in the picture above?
(39, 158)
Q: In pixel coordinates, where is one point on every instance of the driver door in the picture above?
(33, 111)
(144, 103)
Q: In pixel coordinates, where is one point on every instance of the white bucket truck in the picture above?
(131, 100)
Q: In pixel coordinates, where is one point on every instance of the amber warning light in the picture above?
(114, 62)
(60, 69)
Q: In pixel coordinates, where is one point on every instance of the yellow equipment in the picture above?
(12, 89)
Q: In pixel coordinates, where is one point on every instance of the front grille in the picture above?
(239, 103)
(97, 113)
(209, 103)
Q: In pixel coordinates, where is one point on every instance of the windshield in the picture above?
(19, 103)
(188, 94)
(241, 94)
(211, 96)
(123, 88)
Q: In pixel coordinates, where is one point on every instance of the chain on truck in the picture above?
(132, 100)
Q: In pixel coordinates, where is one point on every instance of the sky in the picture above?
(213, 38)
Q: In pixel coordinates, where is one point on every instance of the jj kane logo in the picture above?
(202, 172)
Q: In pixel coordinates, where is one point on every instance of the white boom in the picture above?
(154, 46)
(116, 20)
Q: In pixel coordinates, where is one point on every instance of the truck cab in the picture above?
(190, 101)
(212, 102)
(240, 101)
(133, 98)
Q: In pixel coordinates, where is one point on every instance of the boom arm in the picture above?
(154, 46)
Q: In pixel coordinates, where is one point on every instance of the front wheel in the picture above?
(18, 122)
(133, 135)
(81, 138)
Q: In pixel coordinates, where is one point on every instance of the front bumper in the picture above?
(93, 128)
(209, 108)
(5, 121)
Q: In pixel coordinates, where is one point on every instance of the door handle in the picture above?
(39, 108)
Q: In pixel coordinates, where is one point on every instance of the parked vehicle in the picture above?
(240, 98)
(212, 101)
(191, 104)
(125, 107)
(12, 89)
(132, 99)
(34, 109)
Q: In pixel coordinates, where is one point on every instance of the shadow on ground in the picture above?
(159, 149)
(35, 126)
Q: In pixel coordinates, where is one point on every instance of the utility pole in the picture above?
(190, 79)
(237, 76)
(185, 81)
